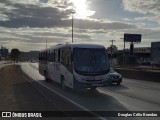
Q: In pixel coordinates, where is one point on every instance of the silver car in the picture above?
(115, 77)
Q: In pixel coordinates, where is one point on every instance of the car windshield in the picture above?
(90, 61)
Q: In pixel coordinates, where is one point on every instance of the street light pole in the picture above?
(72, 11)
(112, 47)
(123, 53)
(46, 42)
(72, 27)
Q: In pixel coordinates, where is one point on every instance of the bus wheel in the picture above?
(93, 87)
(63, 83)
(118, 83)
(45, 76)
(46, 79)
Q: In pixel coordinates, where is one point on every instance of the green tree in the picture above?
(15, 54)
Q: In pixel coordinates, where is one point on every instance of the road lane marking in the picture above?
(62, 96)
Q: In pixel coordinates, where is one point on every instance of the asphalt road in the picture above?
(18, 93)
(132, 95)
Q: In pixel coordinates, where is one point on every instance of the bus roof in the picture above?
(75, 45)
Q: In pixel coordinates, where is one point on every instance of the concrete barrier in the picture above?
(140, 74)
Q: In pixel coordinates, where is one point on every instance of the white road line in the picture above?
(62, 96)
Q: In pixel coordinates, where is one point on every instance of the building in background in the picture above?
(155, 53)
(143, 55)
(3, 53)
(29, 56)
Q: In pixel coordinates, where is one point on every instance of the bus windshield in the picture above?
(89, 61)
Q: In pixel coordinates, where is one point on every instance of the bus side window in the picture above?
(47, 53)
(71, 57)
(51, 56)
(56, 55)
(68, 60)
(39, 56)
(62, 56)
(59, 54)
(65, 53)
(45, 56)
(48, 56)
(42, 56)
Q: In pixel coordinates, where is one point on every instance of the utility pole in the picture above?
(72, 27)
(72, 12)
(123, 53)
(112, 47)
(46, 42)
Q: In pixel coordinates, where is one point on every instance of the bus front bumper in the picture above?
(90, 84)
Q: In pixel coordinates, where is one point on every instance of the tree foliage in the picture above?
(15, 54)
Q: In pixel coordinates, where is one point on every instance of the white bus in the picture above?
(75, 65)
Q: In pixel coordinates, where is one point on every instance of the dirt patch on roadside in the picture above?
(19, 95)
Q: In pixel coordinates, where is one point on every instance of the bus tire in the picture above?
(45, 77)
(118, 83)
(63, 83)
(93, 87)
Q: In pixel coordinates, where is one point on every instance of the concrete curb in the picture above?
(140, 74)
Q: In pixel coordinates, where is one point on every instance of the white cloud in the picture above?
(142, 6)
(25, 1)
(27, 23)
(150, 10)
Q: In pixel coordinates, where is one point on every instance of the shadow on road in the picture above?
(91, 99)
(117, 87)
(29, 99)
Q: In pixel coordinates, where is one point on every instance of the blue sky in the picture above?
(25, 24)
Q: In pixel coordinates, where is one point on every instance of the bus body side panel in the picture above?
(57, 61)
(56, 70)
(67, 75)
(42, 67)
